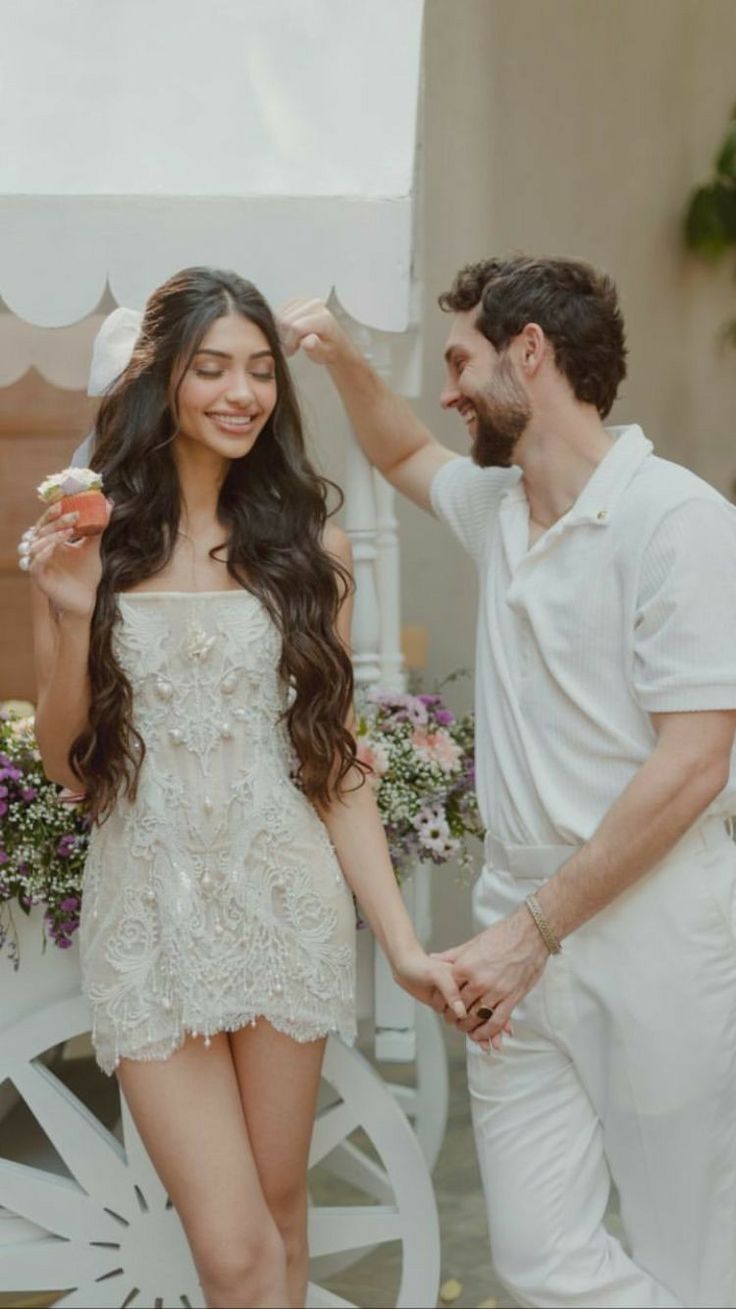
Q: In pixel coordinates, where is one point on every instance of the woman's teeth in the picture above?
(232, 422)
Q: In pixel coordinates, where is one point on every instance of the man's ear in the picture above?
(532, 348)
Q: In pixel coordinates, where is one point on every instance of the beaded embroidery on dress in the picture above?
(216, 896)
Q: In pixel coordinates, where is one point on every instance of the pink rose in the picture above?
(438, 747)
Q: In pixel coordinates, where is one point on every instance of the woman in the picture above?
(188, 661)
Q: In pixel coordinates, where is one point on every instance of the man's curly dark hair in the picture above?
(575, 305)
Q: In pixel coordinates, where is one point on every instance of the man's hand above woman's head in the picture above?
(309, 325)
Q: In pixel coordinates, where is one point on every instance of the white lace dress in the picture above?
(215, 897)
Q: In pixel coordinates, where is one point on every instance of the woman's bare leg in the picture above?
(279, 1081)
(189, 1113)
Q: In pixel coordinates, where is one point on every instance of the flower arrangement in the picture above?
(421, 763)
(43, 837)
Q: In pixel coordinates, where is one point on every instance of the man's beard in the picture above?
(502, 415)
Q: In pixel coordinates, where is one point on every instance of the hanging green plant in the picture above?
(710, 221)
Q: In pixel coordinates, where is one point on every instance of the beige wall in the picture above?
(575, 127)
(570, 127)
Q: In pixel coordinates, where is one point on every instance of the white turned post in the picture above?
(360, 525)
(395, 1038)
(371, 523)
(389, 587)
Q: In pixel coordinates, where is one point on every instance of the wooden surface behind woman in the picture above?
(40, 425)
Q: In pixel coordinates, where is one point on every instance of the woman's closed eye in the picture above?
(218, 372)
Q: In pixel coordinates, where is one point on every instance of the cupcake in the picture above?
(78, 490)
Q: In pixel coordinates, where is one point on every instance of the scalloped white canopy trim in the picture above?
(60, 354)
(59, 252)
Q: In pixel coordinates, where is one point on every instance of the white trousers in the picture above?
(622, 1064)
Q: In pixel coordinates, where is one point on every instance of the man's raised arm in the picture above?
(393, 438)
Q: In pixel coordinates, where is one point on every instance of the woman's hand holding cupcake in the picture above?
(62, 550)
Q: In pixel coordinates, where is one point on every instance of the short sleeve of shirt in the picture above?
(466, 498)
(685, 627)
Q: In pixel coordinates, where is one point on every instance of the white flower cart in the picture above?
(82, 1212)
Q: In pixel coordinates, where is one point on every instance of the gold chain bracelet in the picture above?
(545, 931)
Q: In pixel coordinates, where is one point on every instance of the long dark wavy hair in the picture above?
(273, 507)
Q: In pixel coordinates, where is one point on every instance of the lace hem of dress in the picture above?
(108, 1053)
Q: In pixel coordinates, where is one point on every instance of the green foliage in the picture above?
(710, 220)
(710, 224)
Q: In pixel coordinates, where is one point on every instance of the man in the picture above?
(605, 718)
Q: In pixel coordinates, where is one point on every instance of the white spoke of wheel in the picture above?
(50, 1026)
(53, 1202)
(351, 1227)
(357, 1169)
(330, 1128)
(142, 1171)
(14, 1230)
(318, 1297)
(91, 1153)
(51, 1265)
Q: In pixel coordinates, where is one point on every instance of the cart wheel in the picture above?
(426, 1104)
(102, 1233)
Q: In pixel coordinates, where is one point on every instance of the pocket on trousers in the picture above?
(717, 878)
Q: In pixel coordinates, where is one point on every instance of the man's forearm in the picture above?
(664, 799)
(386, 426)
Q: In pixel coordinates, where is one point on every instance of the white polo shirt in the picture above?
(626, 606)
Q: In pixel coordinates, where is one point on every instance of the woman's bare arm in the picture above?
(357, 834)
(65, 579)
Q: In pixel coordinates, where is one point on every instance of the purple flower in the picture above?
(28, 793)
(4, 856)
(3, 808)
(62, 942)
(71, 903)
(66, 846)
(444, 717)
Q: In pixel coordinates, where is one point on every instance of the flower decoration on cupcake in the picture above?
(78, 490)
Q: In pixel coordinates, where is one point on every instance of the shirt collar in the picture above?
(601, 493)
(599, 496)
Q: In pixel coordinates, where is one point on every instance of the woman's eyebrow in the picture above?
(223, 354)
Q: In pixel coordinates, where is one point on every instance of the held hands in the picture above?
(495, 969)
(67, 571)
(428, 976)
(310, 325)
